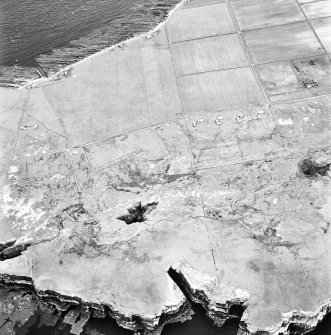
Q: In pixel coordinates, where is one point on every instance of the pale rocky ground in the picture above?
(214, 133)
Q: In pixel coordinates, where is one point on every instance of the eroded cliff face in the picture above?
(251, 234)
(130, 188)
(24, 308)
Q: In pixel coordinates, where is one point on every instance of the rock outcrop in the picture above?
(144, 163)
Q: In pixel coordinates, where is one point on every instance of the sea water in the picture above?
(48, 35)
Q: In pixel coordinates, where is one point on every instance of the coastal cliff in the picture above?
(175, 168)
